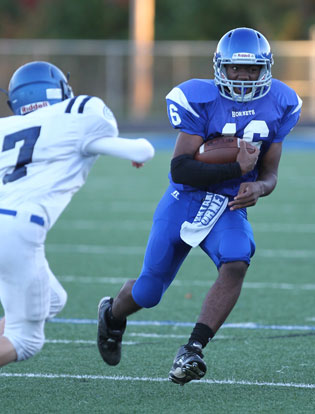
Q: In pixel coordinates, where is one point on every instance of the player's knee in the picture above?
(62, 299)
(29, 347)
(58, 301)
(237, 247)
(147, 291)
(236, 269)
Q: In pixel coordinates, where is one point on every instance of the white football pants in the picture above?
(29, 292)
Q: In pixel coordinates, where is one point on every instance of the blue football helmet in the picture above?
(243, 46)
(36, 85)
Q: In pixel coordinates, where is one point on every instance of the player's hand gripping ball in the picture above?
(222, 150)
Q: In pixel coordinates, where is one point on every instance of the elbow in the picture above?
(179, 170)
(177, 175)
(273, 186)
(267, 185)
(175, 178)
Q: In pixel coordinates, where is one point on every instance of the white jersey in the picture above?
(43, 160)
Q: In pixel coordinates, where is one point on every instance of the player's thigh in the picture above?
(231, 239)
(165, 252)
(164, 255)
(24, 281)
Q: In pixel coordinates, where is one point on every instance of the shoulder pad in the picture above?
(286, 96)
(197, 90)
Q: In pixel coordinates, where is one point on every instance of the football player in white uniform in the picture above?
(47, 150)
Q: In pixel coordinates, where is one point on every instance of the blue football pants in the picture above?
(230, 240)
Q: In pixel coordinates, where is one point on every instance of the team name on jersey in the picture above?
(235, 114)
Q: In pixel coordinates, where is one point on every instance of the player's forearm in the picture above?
(139, 150)
(186, 170)
(267, 183)
(268, 170)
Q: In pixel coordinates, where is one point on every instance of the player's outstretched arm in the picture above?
(138, 150)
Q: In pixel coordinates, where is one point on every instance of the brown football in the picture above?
(221, 150)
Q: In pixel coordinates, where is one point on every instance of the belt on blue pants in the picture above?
(33, 218)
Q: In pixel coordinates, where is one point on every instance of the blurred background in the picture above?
(132, 52)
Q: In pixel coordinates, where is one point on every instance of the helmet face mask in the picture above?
(36, 85)
(243, 46)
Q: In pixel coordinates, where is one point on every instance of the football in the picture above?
(221, 150)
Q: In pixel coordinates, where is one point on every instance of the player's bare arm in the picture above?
(249, 192)
(187, 144)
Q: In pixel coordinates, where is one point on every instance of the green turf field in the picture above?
(261, 361)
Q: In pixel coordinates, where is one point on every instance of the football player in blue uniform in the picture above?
(205, 204)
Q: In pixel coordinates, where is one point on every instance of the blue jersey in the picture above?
(197, 108)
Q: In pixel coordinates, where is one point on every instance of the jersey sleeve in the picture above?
(185, 115)
(292, 104)
(97, 122)
(138, 150)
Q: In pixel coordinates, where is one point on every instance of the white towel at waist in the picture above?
(208, 214)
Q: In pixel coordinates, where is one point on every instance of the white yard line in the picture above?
(81, 341)
(146, 225)
(239, 325)
(151, 379)
(139, 250)
(183, 283)
(132, 334)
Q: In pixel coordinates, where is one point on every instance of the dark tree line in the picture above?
(175, 19)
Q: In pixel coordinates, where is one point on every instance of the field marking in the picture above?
(180, 283)
(146, 225)
(104, 225)
(283, 227)
(81, 341)
(240, 325)
(134, 250)
(150, 379)
(132, 334)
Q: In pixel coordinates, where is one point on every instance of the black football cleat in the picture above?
(188, 365)
(108, 340)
